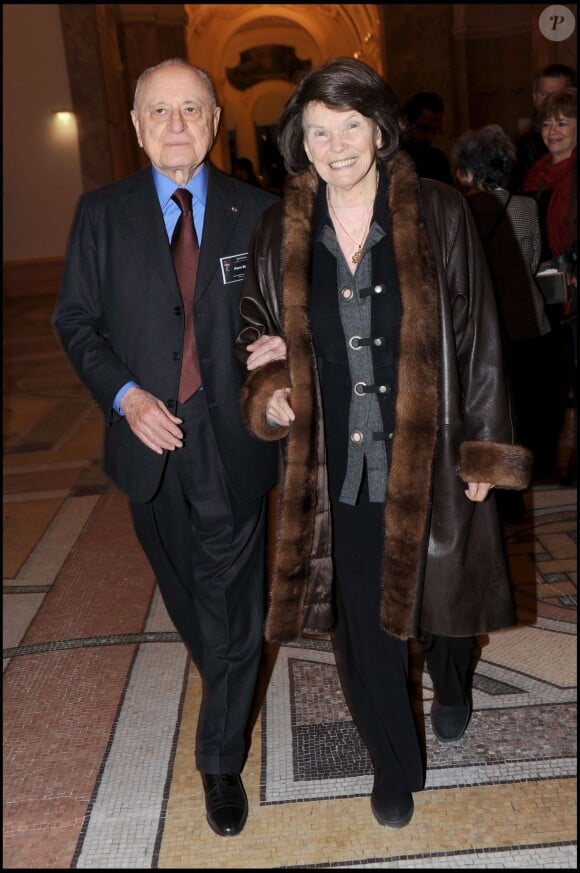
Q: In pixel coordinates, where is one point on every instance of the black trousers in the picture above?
(372, 665)
(207, 551)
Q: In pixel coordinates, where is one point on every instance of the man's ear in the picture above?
(216, 119)
(135, 121)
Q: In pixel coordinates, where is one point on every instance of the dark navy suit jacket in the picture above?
(119, 318)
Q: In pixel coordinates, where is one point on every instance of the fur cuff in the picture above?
(504, 465)
(259, 386)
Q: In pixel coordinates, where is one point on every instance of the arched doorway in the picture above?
(255, 62)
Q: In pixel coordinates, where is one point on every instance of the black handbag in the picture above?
(553, 278)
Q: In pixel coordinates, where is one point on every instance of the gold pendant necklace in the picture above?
(358, 253)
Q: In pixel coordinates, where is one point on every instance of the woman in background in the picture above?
(510, 231)
(553, 181)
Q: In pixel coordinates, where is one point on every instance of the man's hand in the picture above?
(151, 422)
(267, 348)
(478, 491)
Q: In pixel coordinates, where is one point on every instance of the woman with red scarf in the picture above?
(552, 180)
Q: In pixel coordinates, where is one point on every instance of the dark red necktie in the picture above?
(185, 251)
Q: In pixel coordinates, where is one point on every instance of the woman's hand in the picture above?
(478, 491)
(267, 348)
(278, 410)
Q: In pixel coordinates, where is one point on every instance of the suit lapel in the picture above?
(142, 212)
(222, 212)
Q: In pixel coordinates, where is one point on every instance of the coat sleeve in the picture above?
(260, 314)
(79, 319)
(489, 452)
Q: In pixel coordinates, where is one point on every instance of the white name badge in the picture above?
(234, 267)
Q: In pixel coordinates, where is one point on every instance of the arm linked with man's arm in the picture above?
(260, 313)
(259, 305)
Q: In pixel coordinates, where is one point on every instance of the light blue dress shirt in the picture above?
(165, 187)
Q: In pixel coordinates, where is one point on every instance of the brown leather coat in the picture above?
(443, 564)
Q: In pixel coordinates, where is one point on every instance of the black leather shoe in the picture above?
(392, 809)
(449, 722)
(226, 804)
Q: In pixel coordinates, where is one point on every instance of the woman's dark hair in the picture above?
(343, 83)
(558, 104)
(488, 153)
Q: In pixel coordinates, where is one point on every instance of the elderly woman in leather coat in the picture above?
(373, 353)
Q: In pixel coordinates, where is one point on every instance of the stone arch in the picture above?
(217, 35)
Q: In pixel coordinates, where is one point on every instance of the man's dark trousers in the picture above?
(207, 551)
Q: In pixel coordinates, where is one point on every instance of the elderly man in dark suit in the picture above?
(148, 314)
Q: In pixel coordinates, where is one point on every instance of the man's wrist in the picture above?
(121, 394)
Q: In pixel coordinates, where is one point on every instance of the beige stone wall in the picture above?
(41, 164)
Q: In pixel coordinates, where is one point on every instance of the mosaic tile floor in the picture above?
(100, 700)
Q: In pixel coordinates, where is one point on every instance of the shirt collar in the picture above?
(166, 186)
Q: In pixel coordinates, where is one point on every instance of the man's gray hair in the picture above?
(175, 62)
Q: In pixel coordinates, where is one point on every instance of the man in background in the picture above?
(424, 112)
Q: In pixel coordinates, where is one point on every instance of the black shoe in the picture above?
(226, 804)
(392, 809)
(449, 722)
